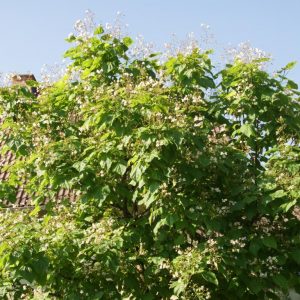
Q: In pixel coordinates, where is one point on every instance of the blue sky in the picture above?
(32, 32)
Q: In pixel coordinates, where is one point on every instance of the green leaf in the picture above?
(210, 277)
(207, 82)
(171, 219)
(106, 37)
(255, 285)
(159, 224)
(3, 247)
(120, 169)
(79, 166)
(35, 211)
(70, 39)
(40, 267)
(278, 194)
(270, 242)
(292, 85)
(148, 199)
(179, 240)
(99, 194)
(254, 246)
(289, 66)
(296, 256)
(178, 287)
(99, 30)
(287, 206)
(247, 130)
(127, 41)
(281, 281)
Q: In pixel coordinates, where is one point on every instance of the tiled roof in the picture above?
(22, 198)
(5, 160)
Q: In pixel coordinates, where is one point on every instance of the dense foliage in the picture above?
(188, 180)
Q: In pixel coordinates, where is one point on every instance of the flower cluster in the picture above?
(238, 244)
(52, 73)
(84, 28)
(245, 53)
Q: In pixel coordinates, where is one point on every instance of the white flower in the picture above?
(124, 102)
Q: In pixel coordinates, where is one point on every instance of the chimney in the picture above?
(21, 79)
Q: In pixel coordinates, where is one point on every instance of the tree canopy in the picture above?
(188, 179)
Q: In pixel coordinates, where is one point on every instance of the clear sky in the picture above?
(32, 32)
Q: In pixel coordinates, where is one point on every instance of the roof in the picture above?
(23, 200)
(21, 79)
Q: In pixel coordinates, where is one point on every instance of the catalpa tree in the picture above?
(187, 179)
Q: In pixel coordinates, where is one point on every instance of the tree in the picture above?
(187, 180)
